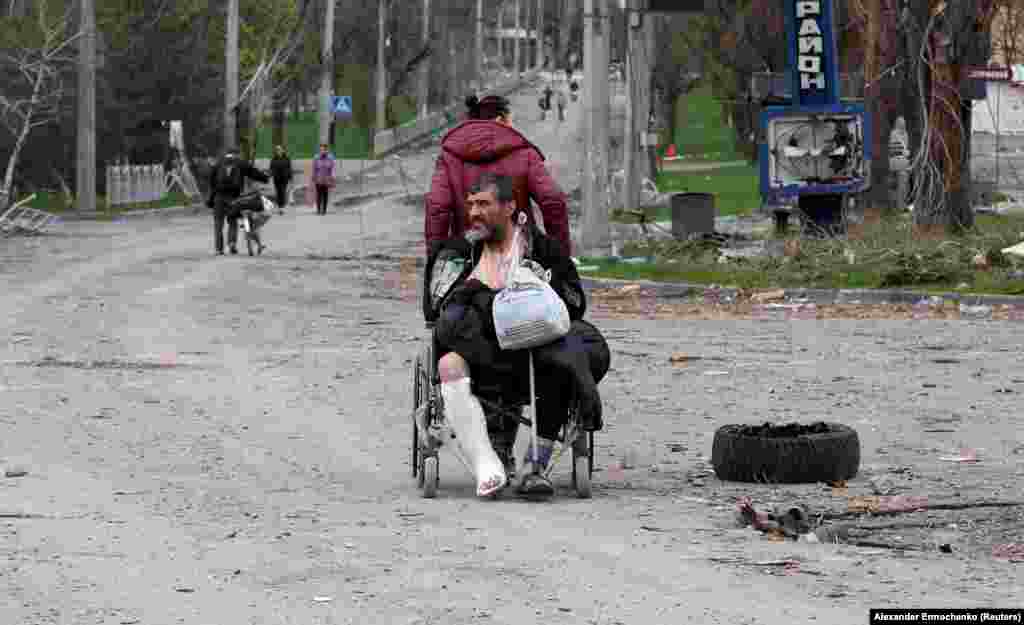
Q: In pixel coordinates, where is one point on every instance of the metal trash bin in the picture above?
(692, 213)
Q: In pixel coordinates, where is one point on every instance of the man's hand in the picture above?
(537, 269)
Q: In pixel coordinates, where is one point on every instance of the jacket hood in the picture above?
(484, 141)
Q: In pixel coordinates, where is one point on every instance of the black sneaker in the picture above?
(535, 486)
(234, 250)
(220, 252)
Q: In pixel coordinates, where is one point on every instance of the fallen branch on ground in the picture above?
(921, 506)
(882, 545)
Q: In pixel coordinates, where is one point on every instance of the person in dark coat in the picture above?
(227, 181)
(466, 275)
(281, 172)
(487, 142)
(545, 102)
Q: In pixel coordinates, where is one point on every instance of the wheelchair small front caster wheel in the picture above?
(429, 477)
(581, 475)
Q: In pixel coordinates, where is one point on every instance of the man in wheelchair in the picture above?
(463, 277)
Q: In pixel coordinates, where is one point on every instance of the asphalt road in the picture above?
(225, 440)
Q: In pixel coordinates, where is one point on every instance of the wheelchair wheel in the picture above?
(417, 401)
(583, 465)
(581, 476)
(429, 477)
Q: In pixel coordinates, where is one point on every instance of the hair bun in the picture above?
(472, 102)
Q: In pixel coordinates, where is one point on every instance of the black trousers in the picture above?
(220, 215)
(555, 381)
(505, 374)
(281, 190)
(321, 199)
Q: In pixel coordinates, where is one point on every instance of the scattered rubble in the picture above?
(1014, 552)
(15, 471)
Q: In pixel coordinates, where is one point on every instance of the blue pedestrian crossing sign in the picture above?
(341, 107)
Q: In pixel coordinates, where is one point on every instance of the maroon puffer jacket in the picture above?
(477, 146)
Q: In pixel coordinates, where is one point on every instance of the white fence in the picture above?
(134, 184)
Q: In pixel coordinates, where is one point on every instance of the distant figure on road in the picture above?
(227, 181)
(487, 142)
(323, 178)
(545, 102)
(281, 172)
(563, 103)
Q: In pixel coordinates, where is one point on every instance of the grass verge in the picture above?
(886, 256)
(58, 203)
(700, 126)
(302, 136)
(735, 187)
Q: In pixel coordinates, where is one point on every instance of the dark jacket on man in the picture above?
(230, 192)
(221, 196)
(465, 325)
(281, 169)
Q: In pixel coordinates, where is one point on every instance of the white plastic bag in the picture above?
(528, 312)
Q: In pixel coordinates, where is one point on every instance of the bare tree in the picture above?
(954, 36)
(1007, 37)
(33, 90)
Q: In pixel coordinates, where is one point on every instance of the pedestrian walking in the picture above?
(323, 178)
(545, 102)
(487, 142)
(563, 103)
(281, 172)
(227, 181)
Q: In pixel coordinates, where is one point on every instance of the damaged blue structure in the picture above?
(816, 153)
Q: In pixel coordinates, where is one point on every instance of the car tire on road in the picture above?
(786, 454)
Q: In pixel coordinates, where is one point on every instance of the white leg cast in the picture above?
(466, 418)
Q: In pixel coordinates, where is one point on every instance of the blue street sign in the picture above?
(341, 106)
(813, 59)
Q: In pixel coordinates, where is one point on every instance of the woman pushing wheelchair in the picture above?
(488, 344)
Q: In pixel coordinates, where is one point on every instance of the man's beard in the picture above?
(481, 231)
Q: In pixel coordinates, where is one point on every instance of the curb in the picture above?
(681, 290)
(145, 212)
(359, 198)
(201, 209)
(512, 85)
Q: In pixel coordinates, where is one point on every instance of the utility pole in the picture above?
(630, 188)
(327, 74)
(455, 71)
(501, 36)
(645, 105)
(531, 21)
(480, 45)
(85, 170)
(424, 86)
(382, 71)
(231, 74)
(539, 60)
(518, 40)
(596, 239)
(567, 16)
(639, 39)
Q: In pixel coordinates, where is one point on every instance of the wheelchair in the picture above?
(429, 433)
